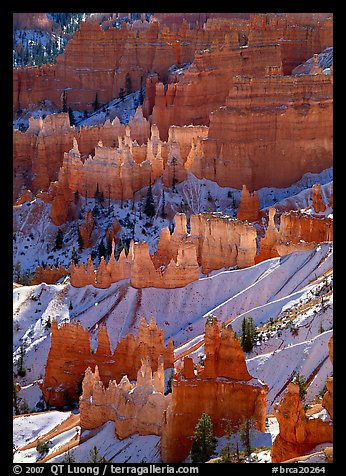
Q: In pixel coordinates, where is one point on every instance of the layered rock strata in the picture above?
(38, 152)
(98, 63)
(129, 166)
(205, 85)
(70, 355)
(271, 131)
(223, 389)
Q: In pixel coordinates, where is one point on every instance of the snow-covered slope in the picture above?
(266, 291)
(35, 234)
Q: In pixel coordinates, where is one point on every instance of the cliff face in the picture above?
(204, 86)
(223, 242)
(99, 62)
(296, 226)
(128, 164)
(70, 355)
(223, 389)
(299, 35)
(38, 152)
(267, 134)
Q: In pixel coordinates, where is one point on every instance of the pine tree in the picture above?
(80, 239)
(128, 83)
(71, 117)
(109, 246)
(245, 429)
(163, 212)
(76, 197)
(149, 206)
(96, 103)
(59, 240)
(204, 442)
(300, 380)
(69, 457)
(122, 94)
(227, 453)
(95, 457)
(174, 179)
(97, 193)
(248, 334)
(102, 249)
(74, 256)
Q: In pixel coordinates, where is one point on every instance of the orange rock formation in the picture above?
(102, 62)
(301, 431)
(296, 226)
(70, 355)
(49, 274)
(38, 152)
(268, 244)
(214, 242)
(263, 136)
(86, 230)
(299, 434)
(299, 229)
(134, 408)
(223, 241)
(249, 207)
(205, 85)
(223, 389)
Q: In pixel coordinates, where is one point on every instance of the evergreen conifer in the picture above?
(204, 442)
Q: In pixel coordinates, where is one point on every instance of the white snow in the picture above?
(27, 428)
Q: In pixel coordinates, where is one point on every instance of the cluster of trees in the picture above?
(204, 441)
(38, 51)
(43, 47)
(248, 334)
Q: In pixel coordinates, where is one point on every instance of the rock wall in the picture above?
(271, 131)
(86, 229)
(223, 241)
(299, 35)
(296, 226)
(223, 389)
(134, 408)
(128, 165)
(214, 242)
(38, 152)
(70, 355)
(102, 62)
(205, 85)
